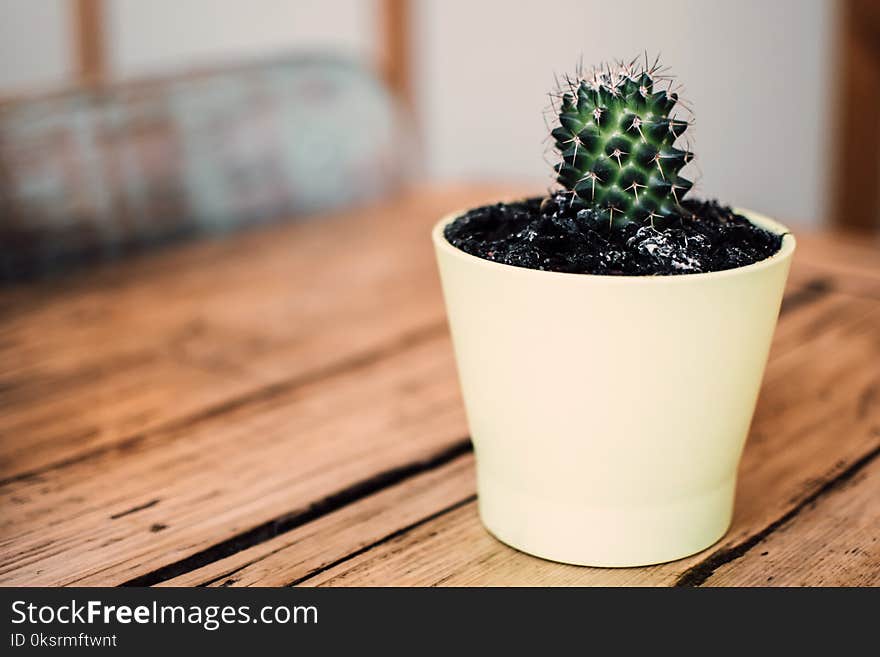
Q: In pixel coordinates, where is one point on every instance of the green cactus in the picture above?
(616, 138)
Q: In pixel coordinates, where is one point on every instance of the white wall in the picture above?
(757, 73)
(148, 36)
(155, 35)
(34, 44)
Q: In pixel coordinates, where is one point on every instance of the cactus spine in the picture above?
(617, 142)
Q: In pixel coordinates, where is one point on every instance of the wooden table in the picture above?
(282, 408)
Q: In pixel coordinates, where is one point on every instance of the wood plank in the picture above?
(295, 555)
(834, 542)
(127, 512)
(807, 398)
(455, 545)
(139, 347)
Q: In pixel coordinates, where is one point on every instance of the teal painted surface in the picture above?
(89, 176)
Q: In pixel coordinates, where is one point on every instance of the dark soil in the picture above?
(549, 234)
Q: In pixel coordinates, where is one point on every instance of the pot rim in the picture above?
(785, 252)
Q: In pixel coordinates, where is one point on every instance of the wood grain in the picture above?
(283, 408)
(192, 448)
(813, 422)
(296, 555)
(110, 358)
(214, 479)
(849, 263)
(783, 462)
(833, 542)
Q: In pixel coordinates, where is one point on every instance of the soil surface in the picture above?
(549, 234)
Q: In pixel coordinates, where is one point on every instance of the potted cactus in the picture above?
(611, 337)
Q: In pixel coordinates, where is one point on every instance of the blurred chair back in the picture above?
(90, 174)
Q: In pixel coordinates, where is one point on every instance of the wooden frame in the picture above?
(394, 56)
(394, 47)
(90, 52)
(857, 172)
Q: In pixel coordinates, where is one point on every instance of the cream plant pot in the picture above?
(608, 413)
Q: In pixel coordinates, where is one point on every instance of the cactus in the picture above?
(617, 142)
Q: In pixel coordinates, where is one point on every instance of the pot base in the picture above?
(606, 537)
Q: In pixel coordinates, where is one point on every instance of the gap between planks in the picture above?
(289, 522)
(698, 574)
